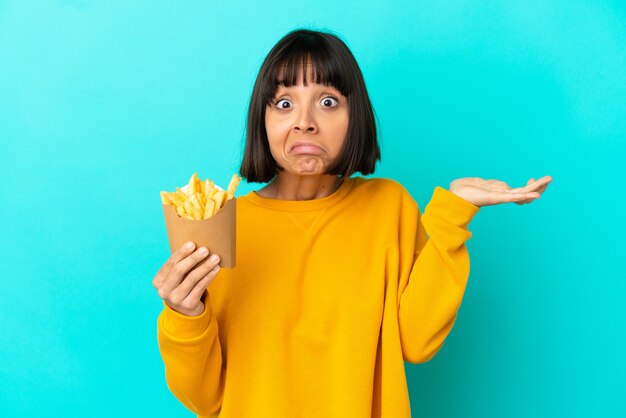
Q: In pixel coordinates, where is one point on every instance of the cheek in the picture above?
(274, 137)
(340, 128)
(275, 127)
(270, 130)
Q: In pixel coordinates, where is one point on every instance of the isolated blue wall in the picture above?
(105, 103)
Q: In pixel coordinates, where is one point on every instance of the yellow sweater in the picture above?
(328, 299)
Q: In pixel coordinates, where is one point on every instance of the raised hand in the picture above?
(482, 192)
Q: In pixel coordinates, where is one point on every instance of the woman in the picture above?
(337, 282)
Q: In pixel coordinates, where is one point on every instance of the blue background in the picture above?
(105, 103)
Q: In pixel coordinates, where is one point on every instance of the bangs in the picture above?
(292, 64)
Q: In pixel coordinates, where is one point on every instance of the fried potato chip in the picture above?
(200, 199)
(208, 186)
(192, 210)
(176, 201)
(196, 204)
(193, 184)
(182, 196)
(165, 198)
(234, 182)
(212, 193)
(209, 208)
(220, 197)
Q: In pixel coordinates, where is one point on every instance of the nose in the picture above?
(305, 122)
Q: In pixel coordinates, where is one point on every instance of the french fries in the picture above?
(201, 199)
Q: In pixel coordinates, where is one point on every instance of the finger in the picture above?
(540, 190)
(180, 269)
(517, 197)
(543, 188)
(193, 277)
(196, 292)
(524, 202)
(184, 250)
(532, 180)
(532, 186)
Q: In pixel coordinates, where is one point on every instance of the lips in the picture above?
(305, 147)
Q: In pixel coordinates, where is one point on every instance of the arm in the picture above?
(433, 273)
(192, 354)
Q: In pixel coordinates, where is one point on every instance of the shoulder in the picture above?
(387, 191)
(381, 186)
(385, 196)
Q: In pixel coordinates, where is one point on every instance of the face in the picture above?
(306, 127)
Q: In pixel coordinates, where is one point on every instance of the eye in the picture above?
(280, 106)
(326, 102)
(330, 99)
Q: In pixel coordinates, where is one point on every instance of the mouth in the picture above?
(306, 149)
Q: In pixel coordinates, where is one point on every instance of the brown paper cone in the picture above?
(217, 233)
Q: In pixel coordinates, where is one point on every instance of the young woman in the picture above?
(339, 278)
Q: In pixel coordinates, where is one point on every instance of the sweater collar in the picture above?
(302, 205)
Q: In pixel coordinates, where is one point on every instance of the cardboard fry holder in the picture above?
(216, 233)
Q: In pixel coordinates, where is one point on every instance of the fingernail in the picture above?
(203, 251)
(189, 245)
(215, 258)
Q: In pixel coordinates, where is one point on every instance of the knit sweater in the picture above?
(327, 301)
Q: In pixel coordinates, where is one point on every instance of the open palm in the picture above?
(482, 192)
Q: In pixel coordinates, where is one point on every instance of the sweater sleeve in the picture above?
(434, 270)
(192, 355)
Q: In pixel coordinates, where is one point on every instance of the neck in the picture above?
(295, 187)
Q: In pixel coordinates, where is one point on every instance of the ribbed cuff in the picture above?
(455, 209)
(186, 327)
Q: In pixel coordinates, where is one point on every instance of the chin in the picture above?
(310, 165)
